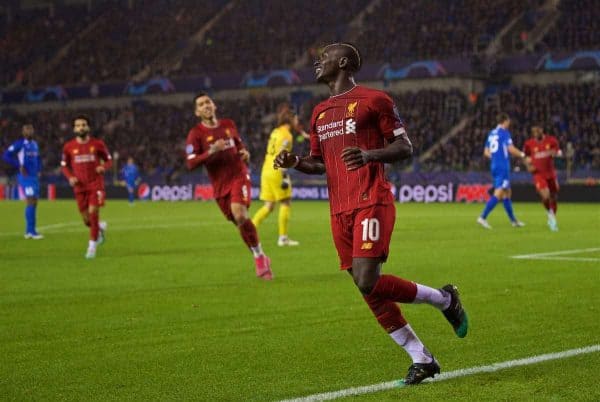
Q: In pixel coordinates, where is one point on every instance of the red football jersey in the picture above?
(222, 167)
(81, 160)
(361, 117)
(542, 155)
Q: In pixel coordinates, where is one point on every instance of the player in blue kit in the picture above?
(131, 175)
(24, 154)
(498, 148)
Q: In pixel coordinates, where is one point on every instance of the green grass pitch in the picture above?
(171, 310)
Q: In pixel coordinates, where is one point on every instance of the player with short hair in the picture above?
(24, 155)
(84, 161)
(541, 149)
(498, 147)
(352, 135)
(131, 176)
(216, 144)
(276, 184)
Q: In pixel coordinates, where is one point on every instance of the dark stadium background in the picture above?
(451, 67)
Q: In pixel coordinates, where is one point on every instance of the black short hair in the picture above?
(82, 117)
(502, 117)
(353, 55)
(27, 123)
(200, 95)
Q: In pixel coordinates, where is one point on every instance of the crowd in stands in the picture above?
(259, 35)
(155, 134)
(125, 40)
(397, 32)
(35, 36)
(578, 27)
(571, 112)
(115, 40)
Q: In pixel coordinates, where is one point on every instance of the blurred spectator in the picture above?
(578, 27)
(571, 112)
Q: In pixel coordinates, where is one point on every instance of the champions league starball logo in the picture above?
(143, 191)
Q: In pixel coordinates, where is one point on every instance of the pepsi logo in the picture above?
(143, 191)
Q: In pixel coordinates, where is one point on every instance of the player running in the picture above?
(541, 149)
(84, 161)
(24, 154)
(275, 184)
(131, 176)
(497, 148)
(216, 144)
(352, 135)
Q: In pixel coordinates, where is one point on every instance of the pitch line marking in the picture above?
(383, 386)
(117, 228)
(556, 255)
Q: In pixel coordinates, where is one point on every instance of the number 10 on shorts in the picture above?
(370, 229)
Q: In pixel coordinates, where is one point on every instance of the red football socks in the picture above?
(382, 300)
(248, 232)
(390, 287)
(386, 312)
(546, 204)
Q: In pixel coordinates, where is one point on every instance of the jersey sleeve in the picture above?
(527, 148)
(65, 163)
(103, 153)
(487, 143)
(315, 145)
(239, 144)
(10, 155)
(284, 142)
(507, 138)
(388, 117)
(194, 151)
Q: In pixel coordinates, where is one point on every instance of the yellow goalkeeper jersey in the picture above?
(281, 138)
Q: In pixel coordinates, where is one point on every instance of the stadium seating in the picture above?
(269, 35)
(578, 27)
(399, 32)
(35, 35)
(130, 39)
(569, 111)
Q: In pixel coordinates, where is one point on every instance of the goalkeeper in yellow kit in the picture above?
(275, 184)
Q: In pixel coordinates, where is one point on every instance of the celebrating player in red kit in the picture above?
(352, 135)
(216, 144)
(541, 149)
(84, 161)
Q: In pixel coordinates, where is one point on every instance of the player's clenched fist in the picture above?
(245, 155)
(286, 160)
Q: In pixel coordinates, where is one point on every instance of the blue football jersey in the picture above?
(24, 153)
(130, 173)
(497, 142)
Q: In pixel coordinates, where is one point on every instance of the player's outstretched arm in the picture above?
(305, 164)
(398, 150)
(516, 152)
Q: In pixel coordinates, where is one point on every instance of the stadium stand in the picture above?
(36, 35)
(571, 112)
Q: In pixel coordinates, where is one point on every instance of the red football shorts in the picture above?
(239, 192)
(89, 198)
(363, 232)
(542, 182)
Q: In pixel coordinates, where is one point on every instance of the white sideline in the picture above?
(554, 255)
(80, 228)
(367, 389)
